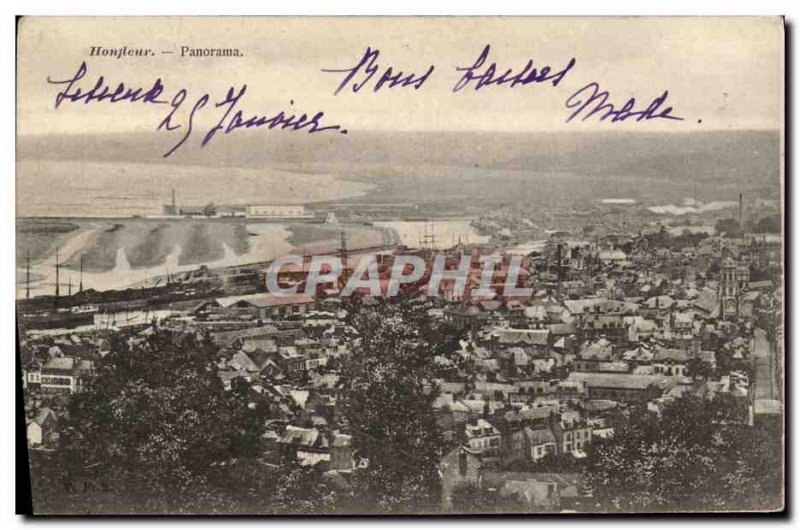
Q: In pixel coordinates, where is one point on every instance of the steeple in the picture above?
(729, 289)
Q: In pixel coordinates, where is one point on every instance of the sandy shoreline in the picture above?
(122, 253)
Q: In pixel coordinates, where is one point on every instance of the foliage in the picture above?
(304, 490)
(729, 226)
(387, 405)
(554, 463)
(472, 499)
(698, 457)
(159, 421)
(697, 368)
(770, 224)
(663, 239)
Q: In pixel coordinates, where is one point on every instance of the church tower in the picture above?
(728, 290)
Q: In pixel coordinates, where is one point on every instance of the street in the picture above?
(764, 381)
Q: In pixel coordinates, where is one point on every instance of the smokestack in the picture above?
(740, 209)
(57, 279)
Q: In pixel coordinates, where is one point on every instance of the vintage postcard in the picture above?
(443, 265)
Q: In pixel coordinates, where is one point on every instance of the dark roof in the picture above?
(540, 436)
(562, 329)
(762, 284)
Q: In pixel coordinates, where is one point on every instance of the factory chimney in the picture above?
(740, 209)
(173, 200)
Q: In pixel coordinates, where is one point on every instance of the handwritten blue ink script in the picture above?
(366, 68)
(369, 72)
(590, 101)
(479, 76)
(232, 118)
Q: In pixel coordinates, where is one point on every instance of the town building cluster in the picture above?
(614, 327)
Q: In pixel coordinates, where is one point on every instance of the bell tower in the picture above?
(728, 290)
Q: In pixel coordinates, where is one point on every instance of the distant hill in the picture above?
(750, 153)
(466, 168)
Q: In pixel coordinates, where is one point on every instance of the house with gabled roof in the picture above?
(541, 442)
(304, 446)
(670, 361)
(41, 429)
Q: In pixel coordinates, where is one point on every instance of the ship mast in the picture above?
(57, 275)
(429, 236)
(343, 252)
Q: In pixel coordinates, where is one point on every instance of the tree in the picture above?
(554, 463)
(697, 368)
(303, 491)
(473, 499)
(158, 421)
(728, 226)
(698, 457)
(387, 405)
(770, 224)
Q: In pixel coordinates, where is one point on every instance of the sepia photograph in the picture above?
(338, 266)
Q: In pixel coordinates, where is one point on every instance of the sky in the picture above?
(721, 73)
